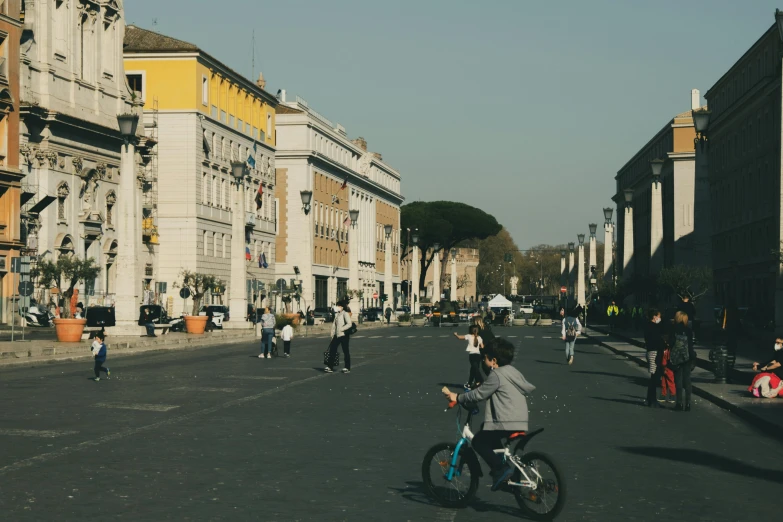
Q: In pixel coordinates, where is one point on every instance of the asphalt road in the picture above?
(217, 434)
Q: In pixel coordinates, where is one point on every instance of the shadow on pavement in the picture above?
(414, 492)
(637, 402)
(640, 381)
(550, 362)
(450, 384)
(707, 459)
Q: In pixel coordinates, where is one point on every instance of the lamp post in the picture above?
(453, 290)
(628, 234)
(128, 233)
(656, 217)
(353, 262)
(388, 285)
(608, 242)
(415, 275)
(237, 301)
(436, 273)
(570, 268)
(593, 227)
(307, 196)
(563, 280)
(580, 277)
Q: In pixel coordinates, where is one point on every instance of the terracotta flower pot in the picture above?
(196, 324)
(69, 330)
(294, 318)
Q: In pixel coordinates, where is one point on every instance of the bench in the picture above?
(89, 331)
(162, 328)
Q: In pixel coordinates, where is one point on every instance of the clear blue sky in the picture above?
(524, 109)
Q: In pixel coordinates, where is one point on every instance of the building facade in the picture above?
(314, 155)
(743, 151)
(10, 174)
(72, 88)
(465, 265)
(662, 228)
(207, 117)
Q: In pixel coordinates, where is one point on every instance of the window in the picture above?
(204, 91)
(206, 243)
(215, 197)
(204, 191)
(268, 124)
(226, 194)
(136, 83)
(215, 246)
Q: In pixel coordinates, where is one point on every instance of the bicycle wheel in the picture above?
(458, 491)
(548, 499)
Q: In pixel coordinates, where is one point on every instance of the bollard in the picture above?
(719, 359)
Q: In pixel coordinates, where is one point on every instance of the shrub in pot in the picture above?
(197, 284)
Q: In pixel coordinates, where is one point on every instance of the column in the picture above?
(237, 301)
(436, 277)
(608, 243)
(415, 281)
(353, 264)
(453, 293)
(593, 253)
(128, 287)
(570, 267)
(656, 228)
(628, 235)
(387, 274)
(580, 276)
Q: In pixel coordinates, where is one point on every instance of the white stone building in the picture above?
(320, 247)
(72, 89)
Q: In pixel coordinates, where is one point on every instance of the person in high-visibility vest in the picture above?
(612, 312)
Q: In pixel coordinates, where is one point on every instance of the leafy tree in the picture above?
(684, 280)
(198, 284)
(448, 223)
(65, 274)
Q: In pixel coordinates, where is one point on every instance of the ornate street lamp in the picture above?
(581, 238)
(415, 238)
(657, 168)
(701, 117)
(128, 123)
(608, 215)
(354, 215)
(238, 169)
(628, 194)
(593, 227)
(306, 196)
(387, 229)
(571, 246)
(435, 247)
(453, 253)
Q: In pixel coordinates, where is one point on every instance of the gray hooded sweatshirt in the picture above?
(506, 389)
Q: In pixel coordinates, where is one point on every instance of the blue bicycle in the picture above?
(451, 473)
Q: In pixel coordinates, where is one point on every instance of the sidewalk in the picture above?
(765, 414)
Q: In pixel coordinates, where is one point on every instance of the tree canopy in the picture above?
(447, 223)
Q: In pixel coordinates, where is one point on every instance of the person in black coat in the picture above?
(655, 345)
(682, 372)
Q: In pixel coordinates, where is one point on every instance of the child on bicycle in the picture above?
(507, 413)
(475, 346)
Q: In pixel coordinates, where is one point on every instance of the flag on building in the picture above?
(347, 221)
(262, 261)
(259, 196)
(248, 257)
(251, 157)
(345, 184)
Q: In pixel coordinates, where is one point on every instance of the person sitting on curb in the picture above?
(769, 382)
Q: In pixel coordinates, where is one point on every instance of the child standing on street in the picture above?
(99, 352)
(287, 334)
(668, 392)
(475, 346)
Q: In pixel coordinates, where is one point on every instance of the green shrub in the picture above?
(404, 318)
(281, 321)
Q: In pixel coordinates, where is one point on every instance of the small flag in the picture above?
(345, 184)
(347, 221)
(262, 263)
(251, 158)
(259, 196)
(248, 257)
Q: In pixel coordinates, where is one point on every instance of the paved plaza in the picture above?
(214, 433)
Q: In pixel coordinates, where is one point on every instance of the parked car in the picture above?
(467, 314)
(526, 309)
(221, 309)
(324, 313)
(217, 316)
(372, 314)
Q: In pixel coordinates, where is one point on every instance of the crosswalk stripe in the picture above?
(44, 434)
(411, 336)
(203, 389)
(375, 337)
(427, 336)
(443, 336)
(547, 337)
(394, 337)
(138, 407)
(512, 336)
(254, 377)
(358, 336)
(529, 337)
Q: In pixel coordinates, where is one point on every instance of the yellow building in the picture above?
(204, 115)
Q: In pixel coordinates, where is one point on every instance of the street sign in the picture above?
(184, 293)
(16, 265)
(375, 295)
(26, 288)
(563, 289)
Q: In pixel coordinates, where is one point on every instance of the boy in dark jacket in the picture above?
(99, 352)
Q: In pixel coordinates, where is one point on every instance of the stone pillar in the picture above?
(580, 277)
(128, 284)
(593, 253)
(353, 267)
(608, 243)
(453, 293)
(436, 277)
(628, 242)
(415, 281)
(656, 229)
(387, 275)
(237, 301)
(570, 268)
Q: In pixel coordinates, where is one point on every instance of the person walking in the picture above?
(287, 334)
(340, 326)
(474, 349)
(612, 312)
(570, 330)
(681, 359)
(388, 313)
(99, 354)
(653, 342)
(267, 333)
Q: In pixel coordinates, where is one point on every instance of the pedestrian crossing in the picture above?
(42, 434)
(137, 407)
(206, 389)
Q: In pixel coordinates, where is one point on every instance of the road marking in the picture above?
(427, 336)
(254, 377)
(103, 441)
(375, 337)
(139, 407)
(358, 337)
(446, 515)
(512, 336)
(411, 336)
(43, 434)
(394, 337)
(529, 337)
(547, 337)
(203, 389)
(443, 336)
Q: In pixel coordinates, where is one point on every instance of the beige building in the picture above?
(743, 151)
(465, 264)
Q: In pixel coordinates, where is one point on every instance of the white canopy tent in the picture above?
(499, 302)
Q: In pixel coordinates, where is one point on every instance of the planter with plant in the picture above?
(533, 319)
(197, 284)
(64, 274)
(418, 319)
(404, 320)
